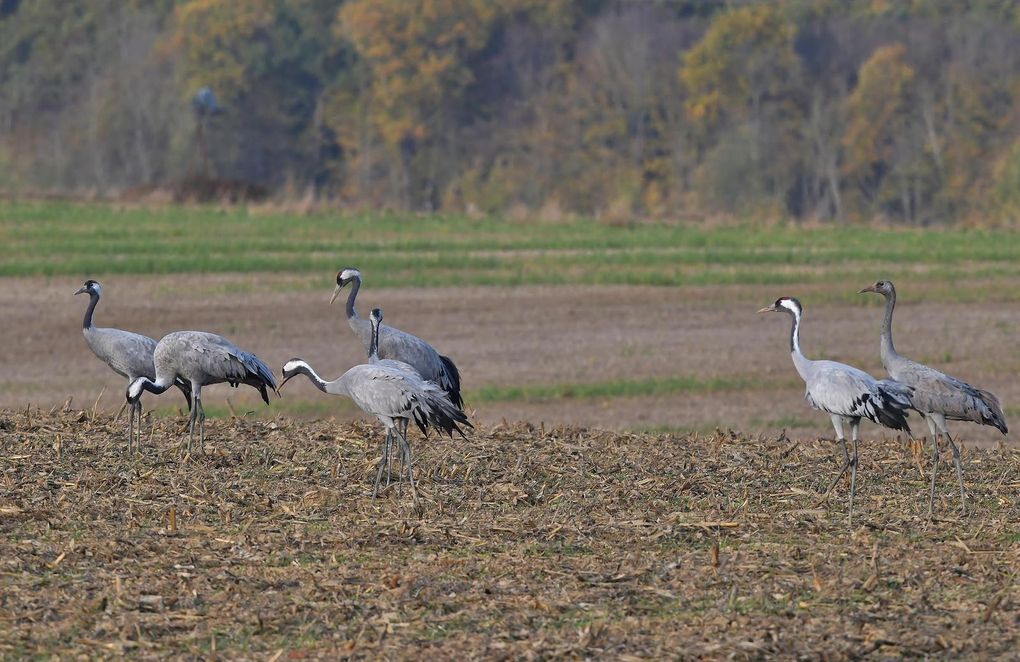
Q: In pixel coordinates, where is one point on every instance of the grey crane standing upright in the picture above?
(376, 318)
(201, 359)
(846, 393)
(399, 345)
(937, 396)
(395, 396)
(128, 354)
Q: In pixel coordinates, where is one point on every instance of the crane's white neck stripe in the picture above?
(294, 365)
(795, 331)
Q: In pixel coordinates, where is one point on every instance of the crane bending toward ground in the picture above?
(846, 393)
(128, 354)
(395, 396)
(399, 345)
(937, 396)
(201, 359)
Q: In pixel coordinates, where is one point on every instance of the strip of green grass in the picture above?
(622, 389)
(46, 238)
(306, 408)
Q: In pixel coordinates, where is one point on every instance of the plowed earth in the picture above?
(522, 337)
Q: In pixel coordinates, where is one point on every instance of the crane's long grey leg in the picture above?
(137, 413)
(138, 429)
(407, 447)
(837, 424)
(387, 454)
(855, 425)
(959, 473)
(940, 420)
(399, 434)
(131, 425)
(410, 463)
(196, 402)
(201, 426)
(934, 462)
(383, 462)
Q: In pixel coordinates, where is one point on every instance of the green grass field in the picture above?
(47, 238)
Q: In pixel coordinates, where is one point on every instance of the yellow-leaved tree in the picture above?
(881, 155)
(743, 105)
(418, 55)
(216, 40)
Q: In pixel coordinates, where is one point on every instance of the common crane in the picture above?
(128, 354)
(937, 396)
(201, 359)
(395, 396)
(399, 345)
(845, 393)
(376, 318)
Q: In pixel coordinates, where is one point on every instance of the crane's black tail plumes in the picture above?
(435, 410)
(993, 415)
(454, 386)
(258, 375)
(185, 387)
(889, 405)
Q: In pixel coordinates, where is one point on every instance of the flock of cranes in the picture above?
(405, 379)
(848, 394)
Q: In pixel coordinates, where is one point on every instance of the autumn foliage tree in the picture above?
(418, 53)
(880, 155)
(837, 110)
(743, 103)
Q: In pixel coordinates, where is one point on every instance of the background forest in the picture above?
(836, 110)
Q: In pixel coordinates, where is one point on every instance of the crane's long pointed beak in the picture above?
(768, 309)
(869, 288)
(283, 383)
(336, 293)
(80, 290)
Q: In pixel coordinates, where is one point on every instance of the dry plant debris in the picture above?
(535, 543)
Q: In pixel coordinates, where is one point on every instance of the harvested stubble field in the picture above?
(563, 542)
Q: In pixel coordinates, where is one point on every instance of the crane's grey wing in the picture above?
(937, 392)
(218, 359)
(435, 406)
(129, 354)
(396, 365)
(385, 390)
(377, 389)
(844, 390)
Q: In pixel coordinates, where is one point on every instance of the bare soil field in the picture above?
(518, 337)
(532, 543)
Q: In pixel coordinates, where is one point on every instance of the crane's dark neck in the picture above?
(312, 376)
(147, 384)
(93, 301)
(373, 348)
(888, 349)
(355, 286)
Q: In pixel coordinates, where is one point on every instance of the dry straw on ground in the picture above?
(535, 543)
